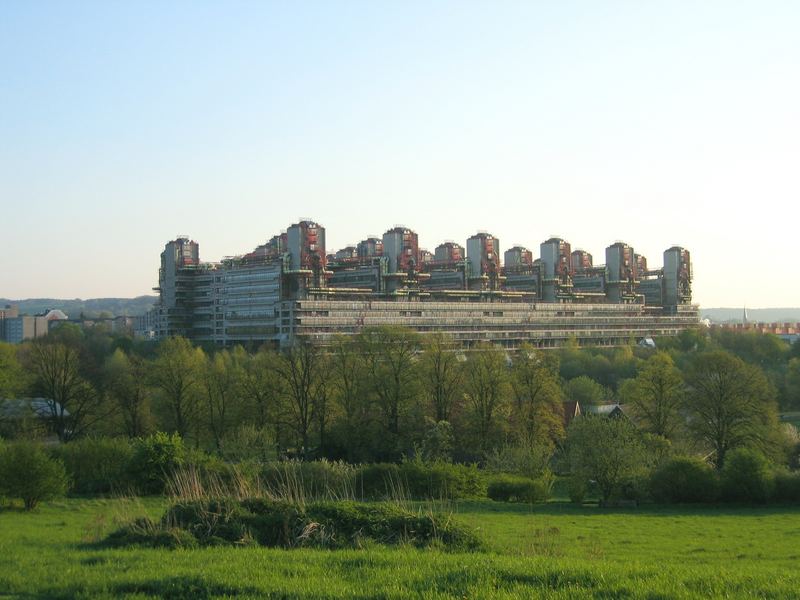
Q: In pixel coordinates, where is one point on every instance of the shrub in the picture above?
(746, 476)
(96, 466)
(379, 481)
(283, 524)
(441, 480)
(527, 460)
(577, 487)
(684, 479)
(27, 472)
(154, 460)
(786, 487)
(513, 488)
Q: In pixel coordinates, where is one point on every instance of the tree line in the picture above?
(389, 393)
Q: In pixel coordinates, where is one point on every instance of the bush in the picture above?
(577, 487)
(379, 481)
(746, 476)
(786, 487)
(154, 460)
(684, 479)
(27, 472)
(282, 524)
(512, 488)
(441, 480)
(96, 466)
(527, 460)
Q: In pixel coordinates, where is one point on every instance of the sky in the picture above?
(125, 124)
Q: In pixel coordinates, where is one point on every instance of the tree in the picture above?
(12, 375)
(731, 404)
(75, 405)
(390, 355)
(656, 394)
(487, 391)
(125, 381)
(221, 382)
(27, 472)
(539, 412)
(301, 372)
(259, 385)
(585, 390)
(607, 451)
(793, 382)
(177, 372)
(442, 375)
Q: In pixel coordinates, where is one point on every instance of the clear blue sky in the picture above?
(123, 124)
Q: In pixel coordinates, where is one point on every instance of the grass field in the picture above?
(549, 551)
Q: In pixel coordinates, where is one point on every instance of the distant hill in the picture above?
(760, 315)
(91, 308)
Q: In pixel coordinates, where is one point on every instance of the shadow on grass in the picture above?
(180, 587)
(565, 508)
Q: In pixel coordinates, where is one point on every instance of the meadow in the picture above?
(550, 550)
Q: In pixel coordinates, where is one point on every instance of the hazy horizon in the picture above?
(125, 125)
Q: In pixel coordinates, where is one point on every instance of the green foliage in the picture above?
(279, 524)
(437, 445)
(585, 390)
(684, 479)
(746, 477)
(13, 378)
(441, 480)
(538, 414)
(155, 458)
(786, 487)
(487, 391)
(97, 465)
(320, 479)
(577, 488)
(792, 381)
(529, 460)
(656, 395)
(249, 442)
(420, 481)
(512, 488)
(27, 472)
(608, 451)
(378, 481)
(731, 403)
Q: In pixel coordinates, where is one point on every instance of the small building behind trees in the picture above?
(26, 416)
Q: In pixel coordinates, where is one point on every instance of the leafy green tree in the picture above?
(12, 376)
(259, 385)
(607, 451)
(442, 375)
(390, 368)
(538, 412)
(746, 476)
(656, 394)
(76, 405)
(27, 472)
(350, 395)
(585, 390)
(177, 373)
(126, 383)
(301, 371)
(731, 404)
(793, 382)
(487, 392)
(437, 445)
(221, 382)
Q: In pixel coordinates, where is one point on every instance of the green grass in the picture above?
(549, 551)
